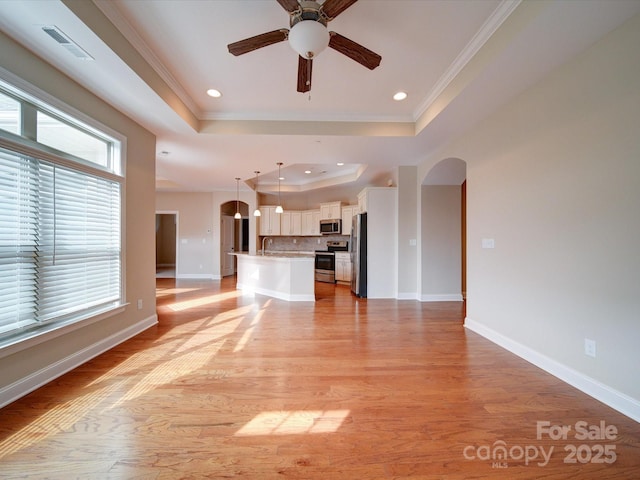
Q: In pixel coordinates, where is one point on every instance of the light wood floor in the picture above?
(231, 386)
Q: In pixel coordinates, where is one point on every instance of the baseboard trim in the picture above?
(197, 276)
(609, 396)
(22, 387)
(444, 297)
(407, 296)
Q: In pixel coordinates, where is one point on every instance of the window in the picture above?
(60, 219)
(68, 138)
(9, 114)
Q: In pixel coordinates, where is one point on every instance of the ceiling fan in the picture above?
(308, 36)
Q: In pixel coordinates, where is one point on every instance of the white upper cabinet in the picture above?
(311, 222)
(269, 221)
(347, 215)
(330, 211)
(291, 223)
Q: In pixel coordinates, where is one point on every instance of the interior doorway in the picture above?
(234, 234)
(444, 235)
(166, 244)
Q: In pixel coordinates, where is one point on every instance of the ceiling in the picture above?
(457, 60)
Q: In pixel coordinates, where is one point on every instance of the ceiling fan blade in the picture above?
(354, 50)
(263, 40)
(289, 5)
(304, 74)
(333, 8)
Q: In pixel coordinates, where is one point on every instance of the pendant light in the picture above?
(279, 208)
(237, 216)
(256, 212)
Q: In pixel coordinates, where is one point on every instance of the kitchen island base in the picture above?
(287, 277)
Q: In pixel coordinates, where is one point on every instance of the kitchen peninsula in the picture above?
(287, 276)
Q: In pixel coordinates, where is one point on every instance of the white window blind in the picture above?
(59, 242)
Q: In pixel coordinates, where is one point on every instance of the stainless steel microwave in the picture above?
(330, 227)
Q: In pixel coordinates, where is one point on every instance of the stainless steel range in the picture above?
(326, 261)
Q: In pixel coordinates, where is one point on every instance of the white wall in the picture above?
(407, 232)
(441, 237)
(382, 242)
(554, 178)
(194, 255)
(199, 228)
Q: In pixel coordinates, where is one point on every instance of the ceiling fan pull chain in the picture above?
(309, 77)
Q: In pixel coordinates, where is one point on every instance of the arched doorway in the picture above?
(443, 231)
(234, 234)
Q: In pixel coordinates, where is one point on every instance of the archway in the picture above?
(443, 231)
(234, 234)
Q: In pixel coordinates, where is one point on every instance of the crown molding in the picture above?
(109, 9)
(497, 18)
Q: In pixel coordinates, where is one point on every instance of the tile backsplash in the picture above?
(303, 244)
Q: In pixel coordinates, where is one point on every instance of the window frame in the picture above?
(32, 99)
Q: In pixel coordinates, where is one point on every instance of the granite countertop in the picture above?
(279, 253)
(286, 253)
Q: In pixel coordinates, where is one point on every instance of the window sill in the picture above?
(47, 333)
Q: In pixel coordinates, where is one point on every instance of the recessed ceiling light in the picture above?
(340, 164)
(307, 172)
(280, 178)
(399, 96)
(212, 92)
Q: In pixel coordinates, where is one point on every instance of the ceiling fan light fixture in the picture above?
(308, 38)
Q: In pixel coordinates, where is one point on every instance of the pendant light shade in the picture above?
(279, 208)
(256, 212)
(237, 216)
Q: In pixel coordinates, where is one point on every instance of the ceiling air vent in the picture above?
(59, 36)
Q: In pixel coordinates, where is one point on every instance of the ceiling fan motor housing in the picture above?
(309, 10)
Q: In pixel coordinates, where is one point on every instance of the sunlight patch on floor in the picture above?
(163, 292)
(248, 332)
(58, 419)
(294, 422)
(202, 301)
(169, 371)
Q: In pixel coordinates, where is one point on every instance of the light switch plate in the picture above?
(488, 243)
(590, 347)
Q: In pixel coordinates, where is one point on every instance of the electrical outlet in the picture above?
(295, 240)
(139, 304)
(590, 347)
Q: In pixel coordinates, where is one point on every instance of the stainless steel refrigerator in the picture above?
(358, 246)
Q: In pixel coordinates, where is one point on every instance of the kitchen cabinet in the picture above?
(311, 222)
(269, 221)
(343, 267)
(347, 215)
(362, 202)
(291, 223)
(330, 211)
(316, 222)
